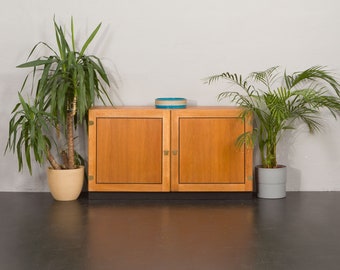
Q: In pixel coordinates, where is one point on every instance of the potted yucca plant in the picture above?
(65, 84)
(278, 101)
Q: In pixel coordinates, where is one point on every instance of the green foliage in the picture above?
(276, 101)
(65, 84)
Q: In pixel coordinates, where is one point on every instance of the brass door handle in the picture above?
(174, 152)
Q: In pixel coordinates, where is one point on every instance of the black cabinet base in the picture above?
(168, 195)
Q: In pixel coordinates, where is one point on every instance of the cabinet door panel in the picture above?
(129, 151)
(208, 153)
(204, 154)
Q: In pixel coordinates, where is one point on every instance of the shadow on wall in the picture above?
(293, 179)
(286, 152)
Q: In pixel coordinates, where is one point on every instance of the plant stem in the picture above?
(70, 142)
(52, 161)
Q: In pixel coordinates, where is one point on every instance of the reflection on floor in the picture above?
(299, 232)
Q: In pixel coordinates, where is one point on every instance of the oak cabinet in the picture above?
(148, 149)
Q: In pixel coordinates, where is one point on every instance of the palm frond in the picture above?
(267, 77)
(234, 78)
(318, 74)
(275, 109)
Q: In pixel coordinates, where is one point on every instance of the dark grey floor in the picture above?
(299, 232)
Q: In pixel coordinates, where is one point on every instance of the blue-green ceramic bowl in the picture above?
(171, 103)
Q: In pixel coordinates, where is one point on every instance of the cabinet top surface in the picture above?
(153, 108)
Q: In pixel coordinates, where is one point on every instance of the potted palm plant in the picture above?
(278, 102)
(65, 84)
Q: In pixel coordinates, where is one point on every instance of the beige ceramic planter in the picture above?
(65, 185)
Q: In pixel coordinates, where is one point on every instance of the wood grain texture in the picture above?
(129, 149)
(207, 158)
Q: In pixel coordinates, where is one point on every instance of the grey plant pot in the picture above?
(271, 182)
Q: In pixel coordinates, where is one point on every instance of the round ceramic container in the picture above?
(170, 103)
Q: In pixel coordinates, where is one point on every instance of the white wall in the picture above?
(159, 48)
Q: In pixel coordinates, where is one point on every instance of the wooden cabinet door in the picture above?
(128, 150)
(204, 156)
